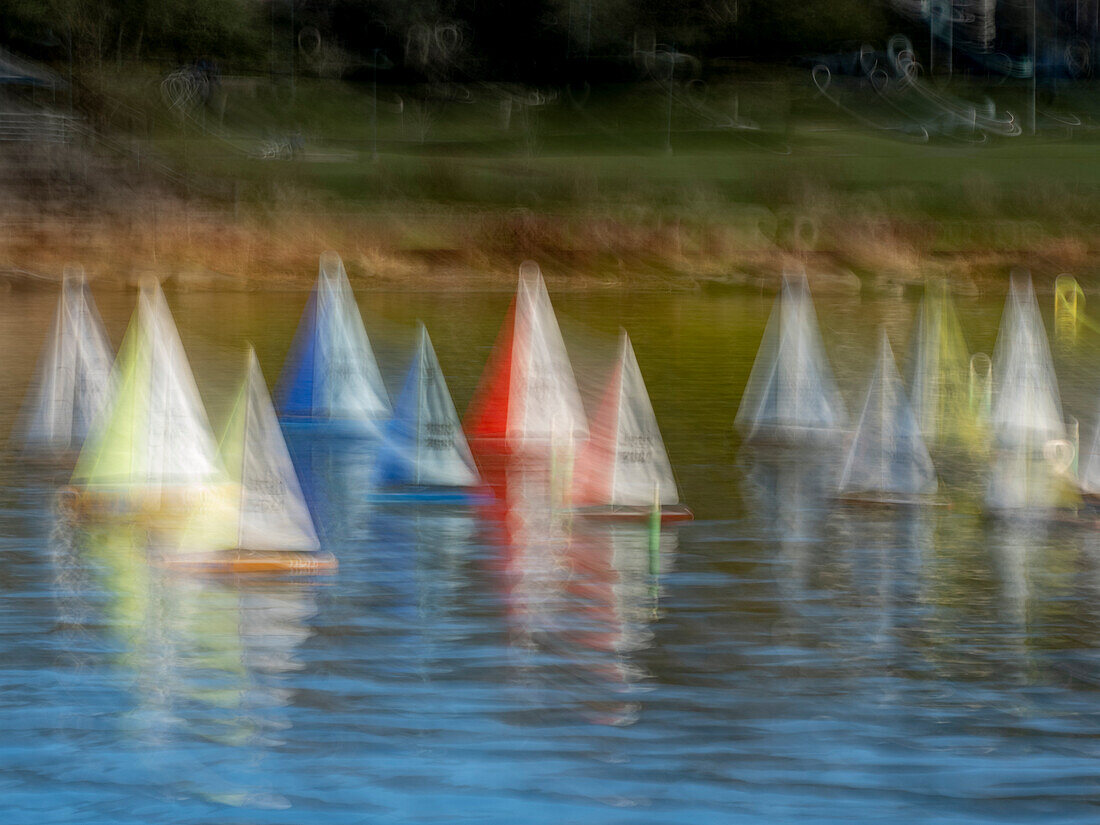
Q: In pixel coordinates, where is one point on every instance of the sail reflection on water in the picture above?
(789, 492)
(418, 571)
(203, 659)
(882, 553)
(580, 603)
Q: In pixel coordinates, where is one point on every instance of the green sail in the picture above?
(941, 383)
(115, 450)
(155, 434)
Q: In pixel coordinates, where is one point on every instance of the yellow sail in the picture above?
(941, 391)
(153, 449)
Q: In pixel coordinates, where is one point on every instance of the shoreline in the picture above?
(199, 248)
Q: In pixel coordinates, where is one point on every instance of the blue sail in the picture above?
(294, 392)
(424, 453)
(396, 462)
(331, 383)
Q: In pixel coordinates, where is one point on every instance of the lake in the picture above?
(793, 660)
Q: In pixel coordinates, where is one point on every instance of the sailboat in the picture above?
(73, 382)
(151, 452)
(940, 382)
(1088, 476)
(791, 396)
(888, 461)
(1026, 403)
(330, 383)
(424, 455)
(623, 471)
(264, 525)
(1033, 458)
(528, 403)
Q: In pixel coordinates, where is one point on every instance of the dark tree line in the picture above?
(500, 39)
(520, 40)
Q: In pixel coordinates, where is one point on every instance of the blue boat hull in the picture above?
(329, 428)
(464, 496)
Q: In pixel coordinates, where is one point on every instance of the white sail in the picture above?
(442, 455)
(791, 394)
(181, 447)
(154, 432)
(888, 456)
(352, 383)
(73, 382)
(1089, 475)
(642, 467)
(545, 405)
(624, 461)
(1026, 403)
(273, 512)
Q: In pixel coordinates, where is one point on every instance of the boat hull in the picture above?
(890, 501)
(167, 506)
(252, 562)
(329, 428)
(669, 513)
(475, 496)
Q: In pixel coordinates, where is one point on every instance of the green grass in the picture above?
(606, 158)
(613, 148)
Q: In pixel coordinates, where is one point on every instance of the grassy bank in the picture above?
(453, 193)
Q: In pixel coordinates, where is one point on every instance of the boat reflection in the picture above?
(883, 553)
(418, 570)
(788, 491)
(580, 603)
(200, 659)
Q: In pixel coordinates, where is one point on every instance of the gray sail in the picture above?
(888, 455)
(791, 394)
(442, 455)
(73, 382)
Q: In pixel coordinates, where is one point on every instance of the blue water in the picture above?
(791, 660)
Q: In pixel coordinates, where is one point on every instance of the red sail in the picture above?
(596, 460)
(486, 421)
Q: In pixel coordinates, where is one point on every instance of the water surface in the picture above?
(791, 661)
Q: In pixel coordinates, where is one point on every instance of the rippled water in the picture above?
(792, 661)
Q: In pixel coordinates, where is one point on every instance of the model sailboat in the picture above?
(264, 525)
(1033, 457)
(1088, 479)
(623, 471)
(888, 462)
(528, 402)
(152, 450)
(73, 382)
(791, 396)
(940, 387)
(331, 383)
(1026, 403)
(424, 455)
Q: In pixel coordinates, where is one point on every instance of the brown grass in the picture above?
(122, 225)
(210, 248)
